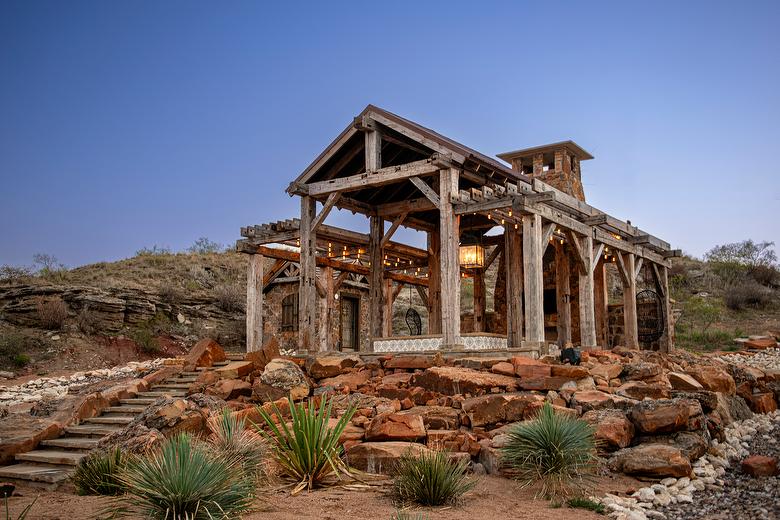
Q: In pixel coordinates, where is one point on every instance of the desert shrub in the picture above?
(14, 348)
(49, 267)
(308, 450)
(184, 479)
(767, 276)
(585, 503)
(230, 438)
(98, 473)
(87, 321)
(203, 246)
(409, 515)
(144, 337)
(155, 250)
(733, 262)
(21, 360)
(554, 450)
(170, 294)
(748, 293)
(431, 478)
(701, 312)
(14, 274)
(229, 297)
(51, 313)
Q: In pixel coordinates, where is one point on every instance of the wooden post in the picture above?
(479, 300)
(514, 287)
(660, 274)
(376, 302)
(601, 301)
(630, 326)
(449, 238)
(387, 315)
(533, 278)
(586, 298)
(254, 303)
(326, 306)
(434, 283)
(307, 289)
(562, 295)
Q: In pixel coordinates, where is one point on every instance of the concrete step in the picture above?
(46, 473)
(70, 458)
(165, 393)
(140, 401)
(93, 429)
(125, 409)
(72, 443)
(110, 419)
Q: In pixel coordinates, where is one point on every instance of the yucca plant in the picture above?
(186, 480)
(408, 515)
(555, 450)
(431, 478)
(230, 438)
(98, 473)
(307, 450)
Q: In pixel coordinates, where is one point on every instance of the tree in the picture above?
(737, 260)
(203, 245)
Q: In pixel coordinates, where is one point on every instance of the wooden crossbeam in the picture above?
(622, 269)
(493, 255)
(426, 190)
(393, 227)
(582, 262)
(326, 207)
(597, 250)
(392, 209)
(372, 178)
(638, 268)
(342, 276)
(397, 290)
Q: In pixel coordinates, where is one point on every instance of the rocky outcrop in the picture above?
(457, 380)
(501, 408)
(380, 457)
(612, 429)
(651, 460)
(396, 427)
(281, 378)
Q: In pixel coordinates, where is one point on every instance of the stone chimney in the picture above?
(557, 164)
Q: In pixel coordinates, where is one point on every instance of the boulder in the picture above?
(763, 402)
(260, 358)
(453, 441)
(732, 408)
(504, 368)
(714, 379)
(436, 417)
(640, 390)
(395, 427)
(664, 416)
(205, 353)
(230, 389)
(651, 460)
(235, 370)
(684, 382)
(458, 380)
(349, 379)
(399, 379)
(606, 371)
(330, 365)
(409, 362)
(613, 430)
(760, 343)
(596, 400)
(526, 367)
(380, 457)
(691, 444)
(569, 371)
(495, 408)
(280, 378)
(760, 466)
(641, 371)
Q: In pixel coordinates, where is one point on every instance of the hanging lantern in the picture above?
(472, 256)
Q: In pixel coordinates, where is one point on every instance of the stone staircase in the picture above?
(54, 460)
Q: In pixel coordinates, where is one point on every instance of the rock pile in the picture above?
(768, 359)
(49, 388)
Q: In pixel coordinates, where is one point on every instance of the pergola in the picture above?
(391, 169)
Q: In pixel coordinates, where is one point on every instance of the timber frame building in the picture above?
(553, 250)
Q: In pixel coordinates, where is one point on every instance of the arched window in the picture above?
(290, 313)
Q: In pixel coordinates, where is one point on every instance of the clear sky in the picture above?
(129, 124)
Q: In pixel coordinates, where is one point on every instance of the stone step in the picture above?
(110, 419)
(93, 429)
(215, 365)
(48, 473)
(235, 357)
(138, 401)
(70, 458)
(72, 443)
(125, 409)
(188, 379)
(166, 393)
(190, 373)
(172, 386)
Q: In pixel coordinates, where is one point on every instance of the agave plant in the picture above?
(431, 478)
(307, 450)
(184, 479)
(230, 437)
(556, 450)
(98, 473)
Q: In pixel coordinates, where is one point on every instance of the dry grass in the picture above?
(52, 313)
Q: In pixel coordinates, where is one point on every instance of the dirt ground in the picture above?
(493, 498)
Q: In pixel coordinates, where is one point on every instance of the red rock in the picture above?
(457, 380)
(651, 460)
(760, 344)
(714, 379)
(455, 441)
(399, 379)
(641, 371)
(664, 416)
(230, 389)
(596, 399)
(763, 402)
(235, 369)
(606, 372)
(395, 427)
(436, 417)
(205, 353)
(528, 367)
(330, 365)
(350, 379)
(260, 358)
(639, 390)
(545, 383)
(503, 368)
(569, 371)
(494, 408)
(409, 362)
(380, 457)
(760, 466)
(684, 382)
(613, 430)
(406, 404)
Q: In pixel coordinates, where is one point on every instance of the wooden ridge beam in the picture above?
(372, 178)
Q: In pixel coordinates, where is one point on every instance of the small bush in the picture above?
(52, 313)
(431, 479)
(309, 450)
(230, 438)
(14, 274)
(170, 294)
(145, 339)
(747, 294)
(585, 503)
(155, 250)
(184, 479)
(408, 515)
(98, 473)
(229, 298)
(87, 321)
(21, 360)
(554, 450)
(203, 246)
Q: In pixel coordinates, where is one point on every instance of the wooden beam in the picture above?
(307, 290)
(393, 227)
(533, 277)
(638, 268)
(493, 255)
(392, 209)
(479, 300)
(373, 178)
(424, 297)
(278, 267)
(327, 303)
(563, 295)
(254, 303)
(583, 264)
(434, 287)
(449, 237)
(630, 327)
(597, 250)
(426, 190)
(326, 207)
(342, 276)
(513, 262)
(387, 314)
(320, 288)
(586, 296)
(416, 136)
(376, 295)
(485, 205)
(601, 300)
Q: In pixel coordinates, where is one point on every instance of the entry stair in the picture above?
(55, 460)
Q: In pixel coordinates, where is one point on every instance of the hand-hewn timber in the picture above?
(307, 290)
(563, 295)
(533, 272)
(254, 303)
(514, 287)
(371, 178)
(448, 261)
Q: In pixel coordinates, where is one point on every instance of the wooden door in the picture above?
(349, 323)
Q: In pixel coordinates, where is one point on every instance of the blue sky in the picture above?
(129, 124)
